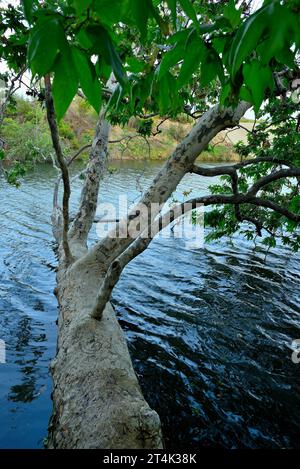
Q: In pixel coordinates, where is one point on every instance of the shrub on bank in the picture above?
(27, 139)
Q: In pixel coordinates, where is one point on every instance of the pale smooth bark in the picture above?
(95, 169)
(97, 401)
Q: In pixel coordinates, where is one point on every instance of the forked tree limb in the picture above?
(69, 162)
(139, 244)
(231, 170)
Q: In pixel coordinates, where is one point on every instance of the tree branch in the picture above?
(274, 176)
(69, 162)
(12, 89)
(89, 195)
(144, 239)
(229, 169)
(62, 164)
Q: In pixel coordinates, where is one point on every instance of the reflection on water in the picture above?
(209, 330)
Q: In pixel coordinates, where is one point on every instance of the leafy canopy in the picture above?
(163, 53)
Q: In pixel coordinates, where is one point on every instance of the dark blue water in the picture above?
(209, 330)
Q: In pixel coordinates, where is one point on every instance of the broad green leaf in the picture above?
(27, 7)
(225, 93)
(172, 6)
(87, 77)
(103, 45)
(171, 58)
(219, 44)
(179, 36)
(232, 14)
(135, 65)
(286, 57)
(138, 14)
(281, 35)
(295, 204)
(164, 98)
(65, 82)
(81, 5)
(145, 87)
(103, 70)
(258, 79)
(110, 11)
(245, 94)
(270, 241)
(195, 53)
(140, 92)
(211, 67)
(84, 39)
(188, 8)
(46, 39)
(291, 225)
(248, 36)
(274, 23)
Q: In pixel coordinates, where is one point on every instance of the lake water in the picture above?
(209, 330)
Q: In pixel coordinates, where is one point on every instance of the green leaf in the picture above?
(247, 37)
(225, 93)
(138, 14)
(270, 241)
(27, 7)
(219, 44)
(164, 89)
(275, 23)
(81, 5)
(245, 94)
(145, 87)
(84, 39)
(291, 225)
(281, 35)
(179, 36)
(87, 77)
(258, 79)
(110, 11)
(195, 52)
(103, 45)
(188, 8)
(286, 57)
(172, 6)
(211, 67)
(171, 58)
(295, 204)
(232, 14)
(135, 65)
(65, 83)
(46, 39)
(103, 70)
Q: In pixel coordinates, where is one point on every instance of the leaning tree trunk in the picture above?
(96, 398)
(97, 401)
